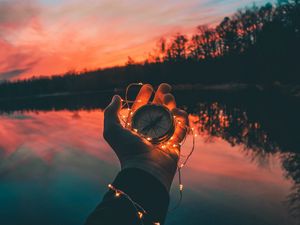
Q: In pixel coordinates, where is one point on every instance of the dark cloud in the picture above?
(16, 13)
(15, 64)
(11, 74)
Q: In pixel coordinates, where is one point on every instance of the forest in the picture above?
(255, 46)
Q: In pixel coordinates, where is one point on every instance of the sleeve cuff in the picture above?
(146, 190)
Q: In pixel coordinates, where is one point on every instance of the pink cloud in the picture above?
(44, 38)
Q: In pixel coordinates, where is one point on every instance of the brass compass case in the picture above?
(154, 122)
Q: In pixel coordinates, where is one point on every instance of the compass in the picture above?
(154, 122)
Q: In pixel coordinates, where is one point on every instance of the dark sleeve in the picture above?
(144, 189)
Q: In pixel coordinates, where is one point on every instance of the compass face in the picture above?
(154, 122)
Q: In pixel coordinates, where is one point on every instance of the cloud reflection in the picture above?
(49, 133)
(64, 153)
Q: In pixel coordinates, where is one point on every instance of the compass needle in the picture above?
(154, 121)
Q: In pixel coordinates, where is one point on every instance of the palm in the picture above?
(132, 149)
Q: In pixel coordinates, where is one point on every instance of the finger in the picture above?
(169, 101)
(181, 120)
(112, 110)
(161, 91)
(143, 97)
(111, 118)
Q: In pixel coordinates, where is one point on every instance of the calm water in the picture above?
(55, 166)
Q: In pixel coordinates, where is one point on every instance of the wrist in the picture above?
(164, 176)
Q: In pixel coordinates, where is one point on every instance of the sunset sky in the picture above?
(44, 37)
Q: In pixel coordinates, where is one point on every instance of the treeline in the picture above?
(257, 45)
(262, 26)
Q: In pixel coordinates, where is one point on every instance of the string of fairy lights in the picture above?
(163, 146)
(140, 211)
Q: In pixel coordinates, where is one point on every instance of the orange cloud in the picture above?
(42, 37)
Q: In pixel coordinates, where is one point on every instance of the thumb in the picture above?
(112, 110)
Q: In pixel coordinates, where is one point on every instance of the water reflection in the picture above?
(57, 161)
(232, 125)
(291, 164)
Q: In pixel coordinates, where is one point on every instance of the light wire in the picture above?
(126, 105)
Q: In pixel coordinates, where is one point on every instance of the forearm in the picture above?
(142, 188)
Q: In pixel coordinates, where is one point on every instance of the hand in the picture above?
(134, 151)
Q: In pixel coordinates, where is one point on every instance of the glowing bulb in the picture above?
(140, 214)
(135, 130)
(171, 138)
(140, 83)
(163, 146)
(174, 145)
(181, 187)
(124, 116)
(195, 135)
(131, 113)
(179, 122)
(110, 186)
(182, 165)
(149, 138)
(156, 223)
(139, 100)
(128, 124)
(117, 194)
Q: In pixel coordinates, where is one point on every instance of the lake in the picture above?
(55, 164)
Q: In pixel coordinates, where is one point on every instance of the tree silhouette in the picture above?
(177, 51)
(254, 46)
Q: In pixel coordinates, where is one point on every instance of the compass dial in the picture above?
(154, 122)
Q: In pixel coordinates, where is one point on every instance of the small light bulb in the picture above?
(195, 135)
(182, 165)
(139, 100)
(124, 116)
(131, 113)
(117, 194)
(128, 124)
(110, 186)
(135, 130)
(156, 223)
(181, 187)
(174, 145)
(163, 146)
(149, 138)
(171, 138)
(140, 214)
(140, 83)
